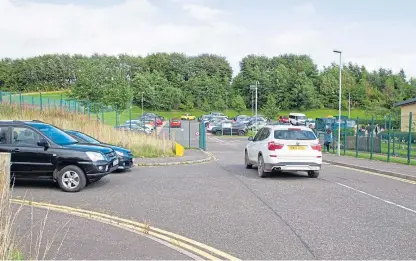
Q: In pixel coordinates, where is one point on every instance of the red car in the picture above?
(284, 119)
(175, 123)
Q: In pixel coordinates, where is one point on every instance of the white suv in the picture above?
(284, 148)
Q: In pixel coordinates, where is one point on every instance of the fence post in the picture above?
(201, 138)
(89, 110)
(102, 115)
(60, 101)
(388, 142)
(409, 141)
(10, 98)
(169, 128)
(48, 103)
(394, 151)
(130, 115)
(40, 98)
(33, 101)
(372, 137)
(1, 96)
(116, 116)
(356, 137)
(189, 133)
(345, 137)
(20, 99)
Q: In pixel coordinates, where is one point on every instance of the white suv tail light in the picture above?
(274, 146)
(317, 147)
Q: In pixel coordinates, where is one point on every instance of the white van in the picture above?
(297, 118)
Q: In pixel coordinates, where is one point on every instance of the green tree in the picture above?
(270, 109)
(238, 104)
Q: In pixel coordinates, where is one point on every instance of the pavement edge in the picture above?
(210, 157)
(384, 172)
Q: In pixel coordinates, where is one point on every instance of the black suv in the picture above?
(42, 151)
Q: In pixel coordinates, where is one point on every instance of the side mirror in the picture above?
(250, 138)
(43, 143)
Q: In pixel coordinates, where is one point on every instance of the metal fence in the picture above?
(187, 134)
(387, 139)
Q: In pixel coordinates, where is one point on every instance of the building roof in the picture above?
(406, 102)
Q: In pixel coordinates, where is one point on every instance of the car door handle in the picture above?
(15, 150)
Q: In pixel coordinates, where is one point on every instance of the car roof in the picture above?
(297, 114)
(23, 122)
(287, 127)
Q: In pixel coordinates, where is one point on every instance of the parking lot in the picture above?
(343, 214)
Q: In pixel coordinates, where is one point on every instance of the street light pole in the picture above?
(142, 103)
(339, 100)
(256, 104)
(349, 105)
(254, 88)
(252, 103)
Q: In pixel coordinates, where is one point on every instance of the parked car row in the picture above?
(70, 158)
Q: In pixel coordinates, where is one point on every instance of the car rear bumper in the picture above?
(292, 166)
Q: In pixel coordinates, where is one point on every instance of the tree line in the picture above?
(169, 81)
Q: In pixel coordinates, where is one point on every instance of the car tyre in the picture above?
(313, 174)
(247, 162)
(241, 133)
(71, 179)
(260, 167)
(218, 132)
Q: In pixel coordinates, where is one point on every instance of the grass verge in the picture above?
(141, 145)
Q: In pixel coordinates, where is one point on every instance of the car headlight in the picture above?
(95, 156)
(119, 153)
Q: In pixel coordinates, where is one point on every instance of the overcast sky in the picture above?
(369, 32)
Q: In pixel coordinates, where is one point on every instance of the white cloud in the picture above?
(204, 13)
(135, 27)
(305, 8)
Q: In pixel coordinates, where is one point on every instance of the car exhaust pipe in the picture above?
(276, 168)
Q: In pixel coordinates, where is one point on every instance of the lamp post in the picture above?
(339, 100)
(142, 103)
(255, 87)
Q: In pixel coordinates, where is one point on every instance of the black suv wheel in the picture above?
(71, 179)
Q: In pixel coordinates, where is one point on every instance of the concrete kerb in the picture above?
(385, 172)
(210, 157)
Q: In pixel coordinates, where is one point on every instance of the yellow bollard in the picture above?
(179, 149)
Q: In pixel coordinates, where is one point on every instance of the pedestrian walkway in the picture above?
(392, 169)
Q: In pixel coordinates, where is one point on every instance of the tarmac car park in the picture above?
(42, 151)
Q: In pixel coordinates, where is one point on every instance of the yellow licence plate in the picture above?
(297, 147)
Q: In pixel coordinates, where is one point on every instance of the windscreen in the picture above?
(295, 134)
(87, 138)
(56, 135)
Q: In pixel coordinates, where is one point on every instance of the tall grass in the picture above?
(140, 144)
(7, 247)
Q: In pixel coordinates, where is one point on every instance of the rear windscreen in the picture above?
(294, 135)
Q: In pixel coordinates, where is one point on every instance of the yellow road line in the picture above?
(378, 174)
(175, 240)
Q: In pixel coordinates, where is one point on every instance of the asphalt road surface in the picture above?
(343, 214)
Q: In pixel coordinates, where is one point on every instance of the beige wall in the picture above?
(405, 111)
